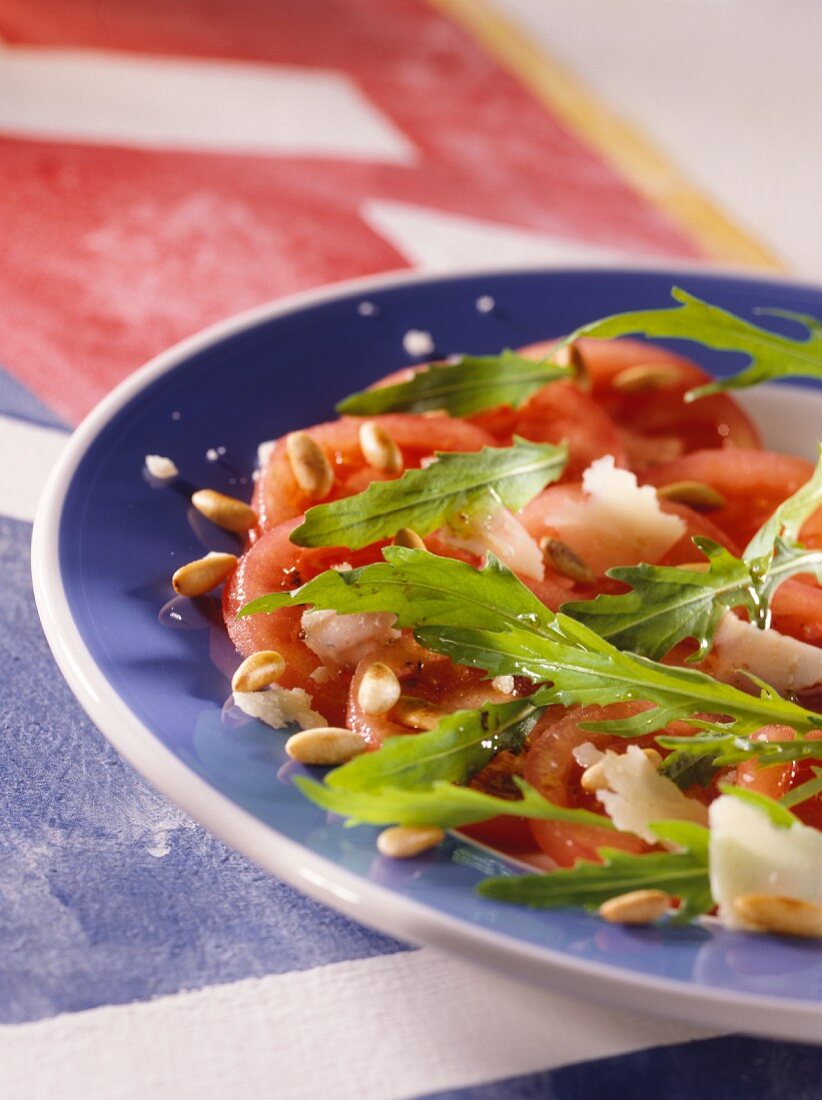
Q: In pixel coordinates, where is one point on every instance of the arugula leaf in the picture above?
(459, 746)
(786, 522)
(690, 769)
(771, 355)
(421, 588)
(442, 804)
(583, 668)
(726, 749)
(667, 605)
(425, 499)
(460, 389)
(809, 789)
(777, 813)
(682, 873)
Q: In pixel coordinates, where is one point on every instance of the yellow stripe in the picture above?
(624, 149)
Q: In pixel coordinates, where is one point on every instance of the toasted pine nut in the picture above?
(566, 561)
(325, 745)
(227, 512)
(635, 907)
(647, 376)
(417, 714)
(379, 689)
(774, 913)
(258, 670)
(409, 539)
(571, 356)
(406, 841)
(593, 778)
(309, 465)
(379, 449)
(696, 494)
(195, 578)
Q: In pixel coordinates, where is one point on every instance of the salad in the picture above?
(558, 599)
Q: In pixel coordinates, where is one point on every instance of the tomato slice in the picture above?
(777, 780)
(278, 496)
(552, 769)
(275, 564)
(752, 482)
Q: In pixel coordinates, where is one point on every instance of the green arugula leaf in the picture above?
(682, 873)
(809, 789)
(460, 389)
(459, 746)
(776, 812)
(666, 605)
(771, 355)
(786, 522)
(584, 669)
(425, 499)
(421, 588)
(690, 769)
(442, 804)
(727, 749)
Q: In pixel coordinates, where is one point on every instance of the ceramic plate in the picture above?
(153, 674)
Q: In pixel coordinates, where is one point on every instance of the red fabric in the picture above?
(111, 254)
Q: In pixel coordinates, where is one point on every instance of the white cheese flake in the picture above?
(504, 684)
(638, 795)
(264, 452)
(279, 707)
(341, 641)
(161, 467)
(751, 855)
(586, 754)
(503, 534)
(786, 663)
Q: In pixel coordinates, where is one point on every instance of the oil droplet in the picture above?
(182, 613)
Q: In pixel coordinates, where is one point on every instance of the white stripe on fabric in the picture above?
(388, 1027)
(435, 240)
(27, 454)
(108, 98)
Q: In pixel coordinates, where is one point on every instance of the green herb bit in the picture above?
(668, 605)
(583, 668)
(468, 386)
(443, 804)
(809, 789)
(725, 750)
(459, 746)
(421, 588)
(682, 873)
(771, 355)
(456, 484)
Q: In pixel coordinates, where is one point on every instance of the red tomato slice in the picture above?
(779, 779)
(275, 564)
(551, 768)
(659, 416)
(278, 496)
(753, 483)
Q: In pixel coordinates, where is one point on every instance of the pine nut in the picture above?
(409, 539)
(325, 745)
(379, 449)
(310, 467)
(696, 494)
(566, 561)
(201, 576)
(227, 512)
(406, 841)
(571, 356)
(417, 714)
(379, 689)
(258, 671)
(593, 778)
(635, 907)
(773, 913)
(647, 376)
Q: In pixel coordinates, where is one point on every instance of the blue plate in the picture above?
(152, 674)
